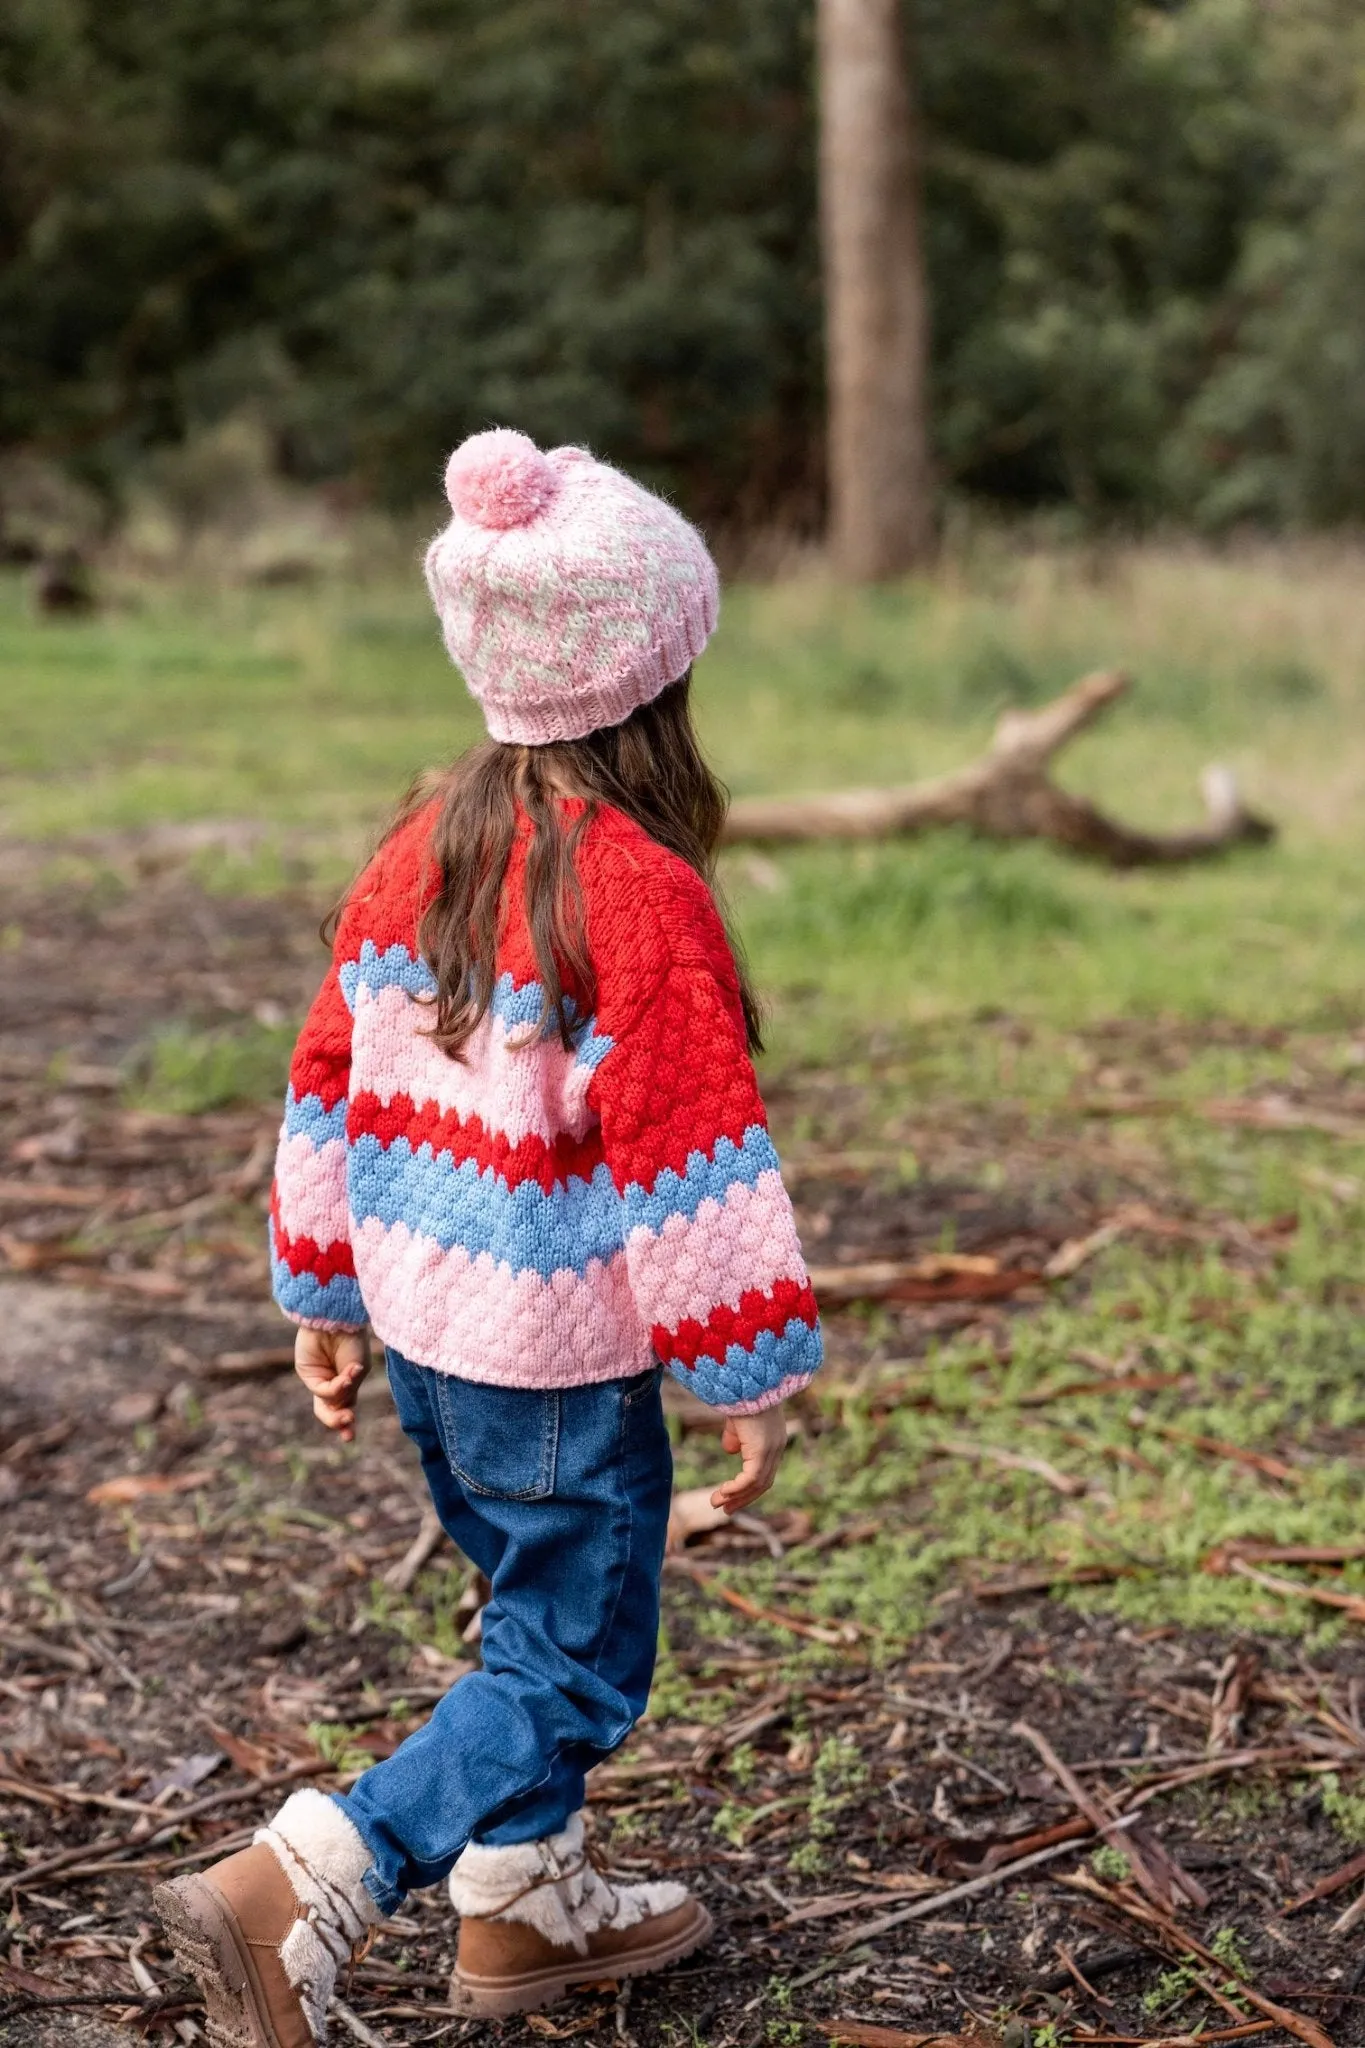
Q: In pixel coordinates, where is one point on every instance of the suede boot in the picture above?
(538, 1918)
(264, 1932)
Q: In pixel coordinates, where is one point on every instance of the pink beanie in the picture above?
(568, 595)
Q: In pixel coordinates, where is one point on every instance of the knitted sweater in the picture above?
(533, 1216)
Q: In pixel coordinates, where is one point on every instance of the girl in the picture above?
(523, 1142)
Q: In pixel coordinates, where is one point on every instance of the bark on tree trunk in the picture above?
(876, 306)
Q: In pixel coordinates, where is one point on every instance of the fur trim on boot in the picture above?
(325, 1859)
(552, 1886)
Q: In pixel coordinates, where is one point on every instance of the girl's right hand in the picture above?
(758, 1441)
(332, 1364)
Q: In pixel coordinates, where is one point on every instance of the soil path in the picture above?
(219, 1616)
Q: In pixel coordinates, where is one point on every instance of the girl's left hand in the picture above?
(332, 1364)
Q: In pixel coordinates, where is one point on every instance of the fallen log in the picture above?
(1008, 794)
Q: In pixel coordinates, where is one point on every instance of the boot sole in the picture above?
(496, 1998)
(208, 1947)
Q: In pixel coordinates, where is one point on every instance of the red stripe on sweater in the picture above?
(788, 1301)
(548, 1162)
(306, 1255)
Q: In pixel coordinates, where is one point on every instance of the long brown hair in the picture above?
(651, 768)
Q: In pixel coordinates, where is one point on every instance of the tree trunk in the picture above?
(876, 304)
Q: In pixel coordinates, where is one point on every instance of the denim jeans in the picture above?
(560, 1497)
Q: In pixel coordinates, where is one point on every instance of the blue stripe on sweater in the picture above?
(305, 1115)
(303, 1294)
(517, 1008)
(521, 1227)
(702, 1178)
(395, 967)
(748, 1375)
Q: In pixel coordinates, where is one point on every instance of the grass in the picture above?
(187, 1072)
(308, 713)
(967, 984)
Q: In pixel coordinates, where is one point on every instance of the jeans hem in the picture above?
(387, 1897)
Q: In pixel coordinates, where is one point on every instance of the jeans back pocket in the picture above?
(499, 1441)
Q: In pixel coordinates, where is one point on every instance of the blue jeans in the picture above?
(561, 1499)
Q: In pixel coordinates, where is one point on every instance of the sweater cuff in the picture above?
(323, 1323)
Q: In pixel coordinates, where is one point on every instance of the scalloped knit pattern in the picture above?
(533, 1216)
(568, 595)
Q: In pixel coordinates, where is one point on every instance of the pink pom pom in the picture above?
(499, 479)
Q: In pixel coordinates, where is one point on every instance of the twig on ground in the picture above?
(1064, 1483)
(1072, 1968)
(356, 2027)
(1218, 1447)
(1350, 1604)
(1101, 1821)
(423, 1547)
(1174, 1937)
(1231, 1692)
(1335, 1881)
(972, 1889)
(116, 1847)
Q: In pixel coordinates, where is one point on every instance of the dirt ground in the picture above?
(189, 1623)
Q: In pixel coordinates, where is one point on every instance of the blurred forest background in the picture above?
(329, 237)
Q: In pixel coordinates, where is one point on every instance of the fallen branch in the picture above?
(1008, 794)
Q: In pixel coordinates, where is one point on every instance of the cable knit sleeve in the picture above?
(312, 1270)
(712, 1253)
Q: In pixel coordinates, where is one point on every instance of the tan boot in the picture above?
(539, 1918)
(264, 1932)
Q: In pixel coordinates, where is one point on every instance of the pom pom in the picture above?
(499, 479)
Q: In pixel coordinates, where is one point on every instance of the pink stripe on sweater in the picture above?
(791, 1385)
(527, 1091)
(310, 1187)
(478, 1319)
(727, 1249)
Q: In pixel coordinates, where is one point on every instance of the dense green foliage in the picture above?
(375, 224)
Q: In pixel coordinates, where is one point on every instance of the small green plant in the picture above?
(744, 1765)
(1227, 1946)
(837, 1775)
(1047, 2036)
(336, 1744)
(1171, 1987)
(731, 1822)
(1110, 1864)
(1345, 1810)
(807, 1860)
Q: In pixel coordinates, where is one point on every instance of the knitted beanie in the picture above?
(568, 595)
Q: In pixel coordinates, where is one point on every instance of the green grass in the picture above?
(943, 985)
(307, 713)
(186, 1072)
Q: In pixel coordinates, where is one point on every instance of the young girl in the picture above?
(524, 1143)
